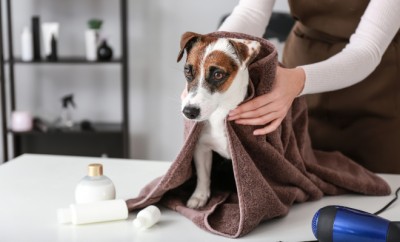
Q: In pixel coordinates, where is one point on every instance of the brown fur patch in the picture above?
(242, 51)
(222, 61)
(195, 56)
(216, 59)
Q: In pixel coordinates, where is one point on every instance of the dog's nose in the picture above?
(191, 112)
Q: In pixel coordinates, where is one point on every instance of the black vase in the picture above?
(104, 52)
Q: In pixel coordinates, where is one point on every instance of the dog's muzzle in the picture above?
(191, 112)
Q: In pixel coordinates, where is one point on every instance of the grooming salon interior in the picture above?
(95, 147)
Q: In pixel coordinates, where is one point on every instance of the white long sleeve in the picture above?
(357, 60)
(378, 25)
(249, 17)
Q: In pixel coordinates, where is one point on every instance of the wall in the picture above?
(156, 80)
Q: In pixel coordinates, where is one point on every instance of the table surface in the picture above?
(33, 187)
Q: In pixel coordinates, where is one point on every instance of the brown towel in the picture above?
(267, 174)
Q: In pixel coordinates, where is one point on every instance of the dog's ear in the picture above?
(187, 41)
(246, 50)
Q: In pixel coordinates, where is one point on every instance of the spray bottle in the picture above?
(68, 105)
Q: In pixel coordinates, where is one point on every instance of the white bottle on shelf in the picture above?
(102, 211)
(91, 40)
(95, 186)
(147, 217)
(26, 45)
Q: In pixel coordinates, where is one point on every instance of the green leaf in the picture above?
(95, 23)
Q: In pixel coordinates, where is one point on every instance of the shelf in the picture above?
(104, 140)
(98, 128)
(65, 60)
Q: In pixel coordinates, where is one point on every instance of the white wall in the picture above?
(159, 78)
(156, 80)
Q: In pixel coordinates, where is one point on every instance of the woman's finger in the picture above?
(252, 104)
(269, 128)
(256, 113)
(184, 94)
(265, 119)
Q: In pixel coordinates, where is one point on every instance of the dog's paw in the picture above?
(198, 200)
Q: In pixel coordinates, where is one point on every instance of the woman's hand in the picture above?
(271, 108)
(184, 94)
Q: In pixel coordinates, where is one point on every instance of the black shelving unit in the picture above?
(66, 60)
(104, 138)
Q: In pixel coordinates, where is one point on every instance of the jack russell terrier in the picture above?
(217, 79)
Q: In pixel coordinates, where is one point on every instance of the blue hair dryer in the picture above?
(342, 224)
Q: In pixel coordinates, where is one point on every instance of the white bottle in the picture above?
(91, 41)
(26, 45)
(102, 211)
(147, 217)
(95, 186)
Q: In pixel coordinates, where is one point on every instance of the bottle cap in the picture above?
(64, 215)
(95, 169)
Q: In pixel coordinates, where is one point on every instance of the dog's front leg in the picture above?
(203, 163)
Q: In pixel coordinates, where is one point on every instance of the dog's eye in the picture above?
(218, 75)
(188, 71)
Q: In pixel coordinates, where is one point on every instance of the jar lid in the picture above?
(95, 169)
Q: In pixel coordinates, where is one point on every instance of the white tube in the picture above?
(49, 29)
(95, 212)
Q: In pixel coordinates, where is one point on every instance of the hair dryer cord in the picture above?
(389, 203)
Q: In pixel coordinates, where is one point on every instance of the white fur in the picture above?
(214, 110)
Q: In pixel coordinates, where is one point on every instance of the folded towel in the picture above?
(267, 174)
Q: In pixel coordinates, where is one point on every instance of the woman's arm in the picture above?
(362, 54)
(249, 17)
(378, 26)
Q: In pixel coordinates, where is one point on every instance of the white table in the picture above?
(33, 187)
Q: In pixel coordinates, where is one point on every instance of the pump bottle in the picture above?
(68, 105)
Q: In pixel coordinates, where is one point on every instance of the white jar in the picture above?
(21, 121)
(95, 186)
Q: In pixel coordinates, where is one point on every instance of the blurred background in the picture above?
(155, 79)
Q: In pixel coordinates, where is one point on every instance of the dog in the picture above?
(217, 80)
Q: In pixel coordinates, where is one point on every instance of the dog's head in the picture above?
(216, 73)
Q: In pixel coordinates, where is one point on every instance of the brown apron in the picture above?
(361, 121)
